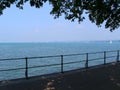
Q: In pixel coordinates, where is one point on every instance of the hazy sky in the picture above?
(37, 25)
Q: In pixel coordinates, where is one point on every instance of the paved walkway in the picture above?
(98, 78)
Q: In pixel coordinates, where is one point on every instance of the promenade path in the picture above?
(102, 77)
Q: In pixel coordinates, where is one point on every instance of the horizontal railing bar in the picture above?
(44, 66)
(90, 53)
(11, 69)
(54, 56)
(11, 59)
(56, 64)
(28, 58)
(62, 61)
(101, 52)
(95, 59)
(100, 58)
(111, 56)
(74, 54)
(73, 62)
(43, 57)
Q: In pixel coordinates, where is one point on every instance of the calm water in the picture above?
(16, 50)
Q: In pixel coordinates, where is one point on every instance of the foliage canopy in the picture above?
(98, 11)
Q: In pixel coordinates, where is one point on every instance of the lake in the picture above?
(22, 50)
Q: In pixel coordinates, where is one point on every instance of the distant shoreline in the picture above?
(66, 41)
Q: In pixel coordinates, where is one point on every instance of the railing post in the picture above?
(104, 57)
(61, 63)
(86, 64)
(117, 55)
(26, 69)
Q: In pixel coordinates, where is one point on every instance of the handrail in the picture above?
(56, 55)
(105, 57)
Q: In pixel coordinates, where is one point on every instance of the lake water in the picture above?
(22, 50)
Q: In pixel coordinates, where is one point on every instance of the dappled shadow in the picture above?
(114, 76)
(105, 78)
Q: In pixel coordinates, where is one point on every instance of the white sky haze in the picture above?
(37, 25)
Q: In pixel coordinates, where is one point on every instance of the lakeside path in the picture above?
(102, 77)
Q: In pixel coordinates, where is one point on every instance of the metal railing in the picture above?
(85, 58)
